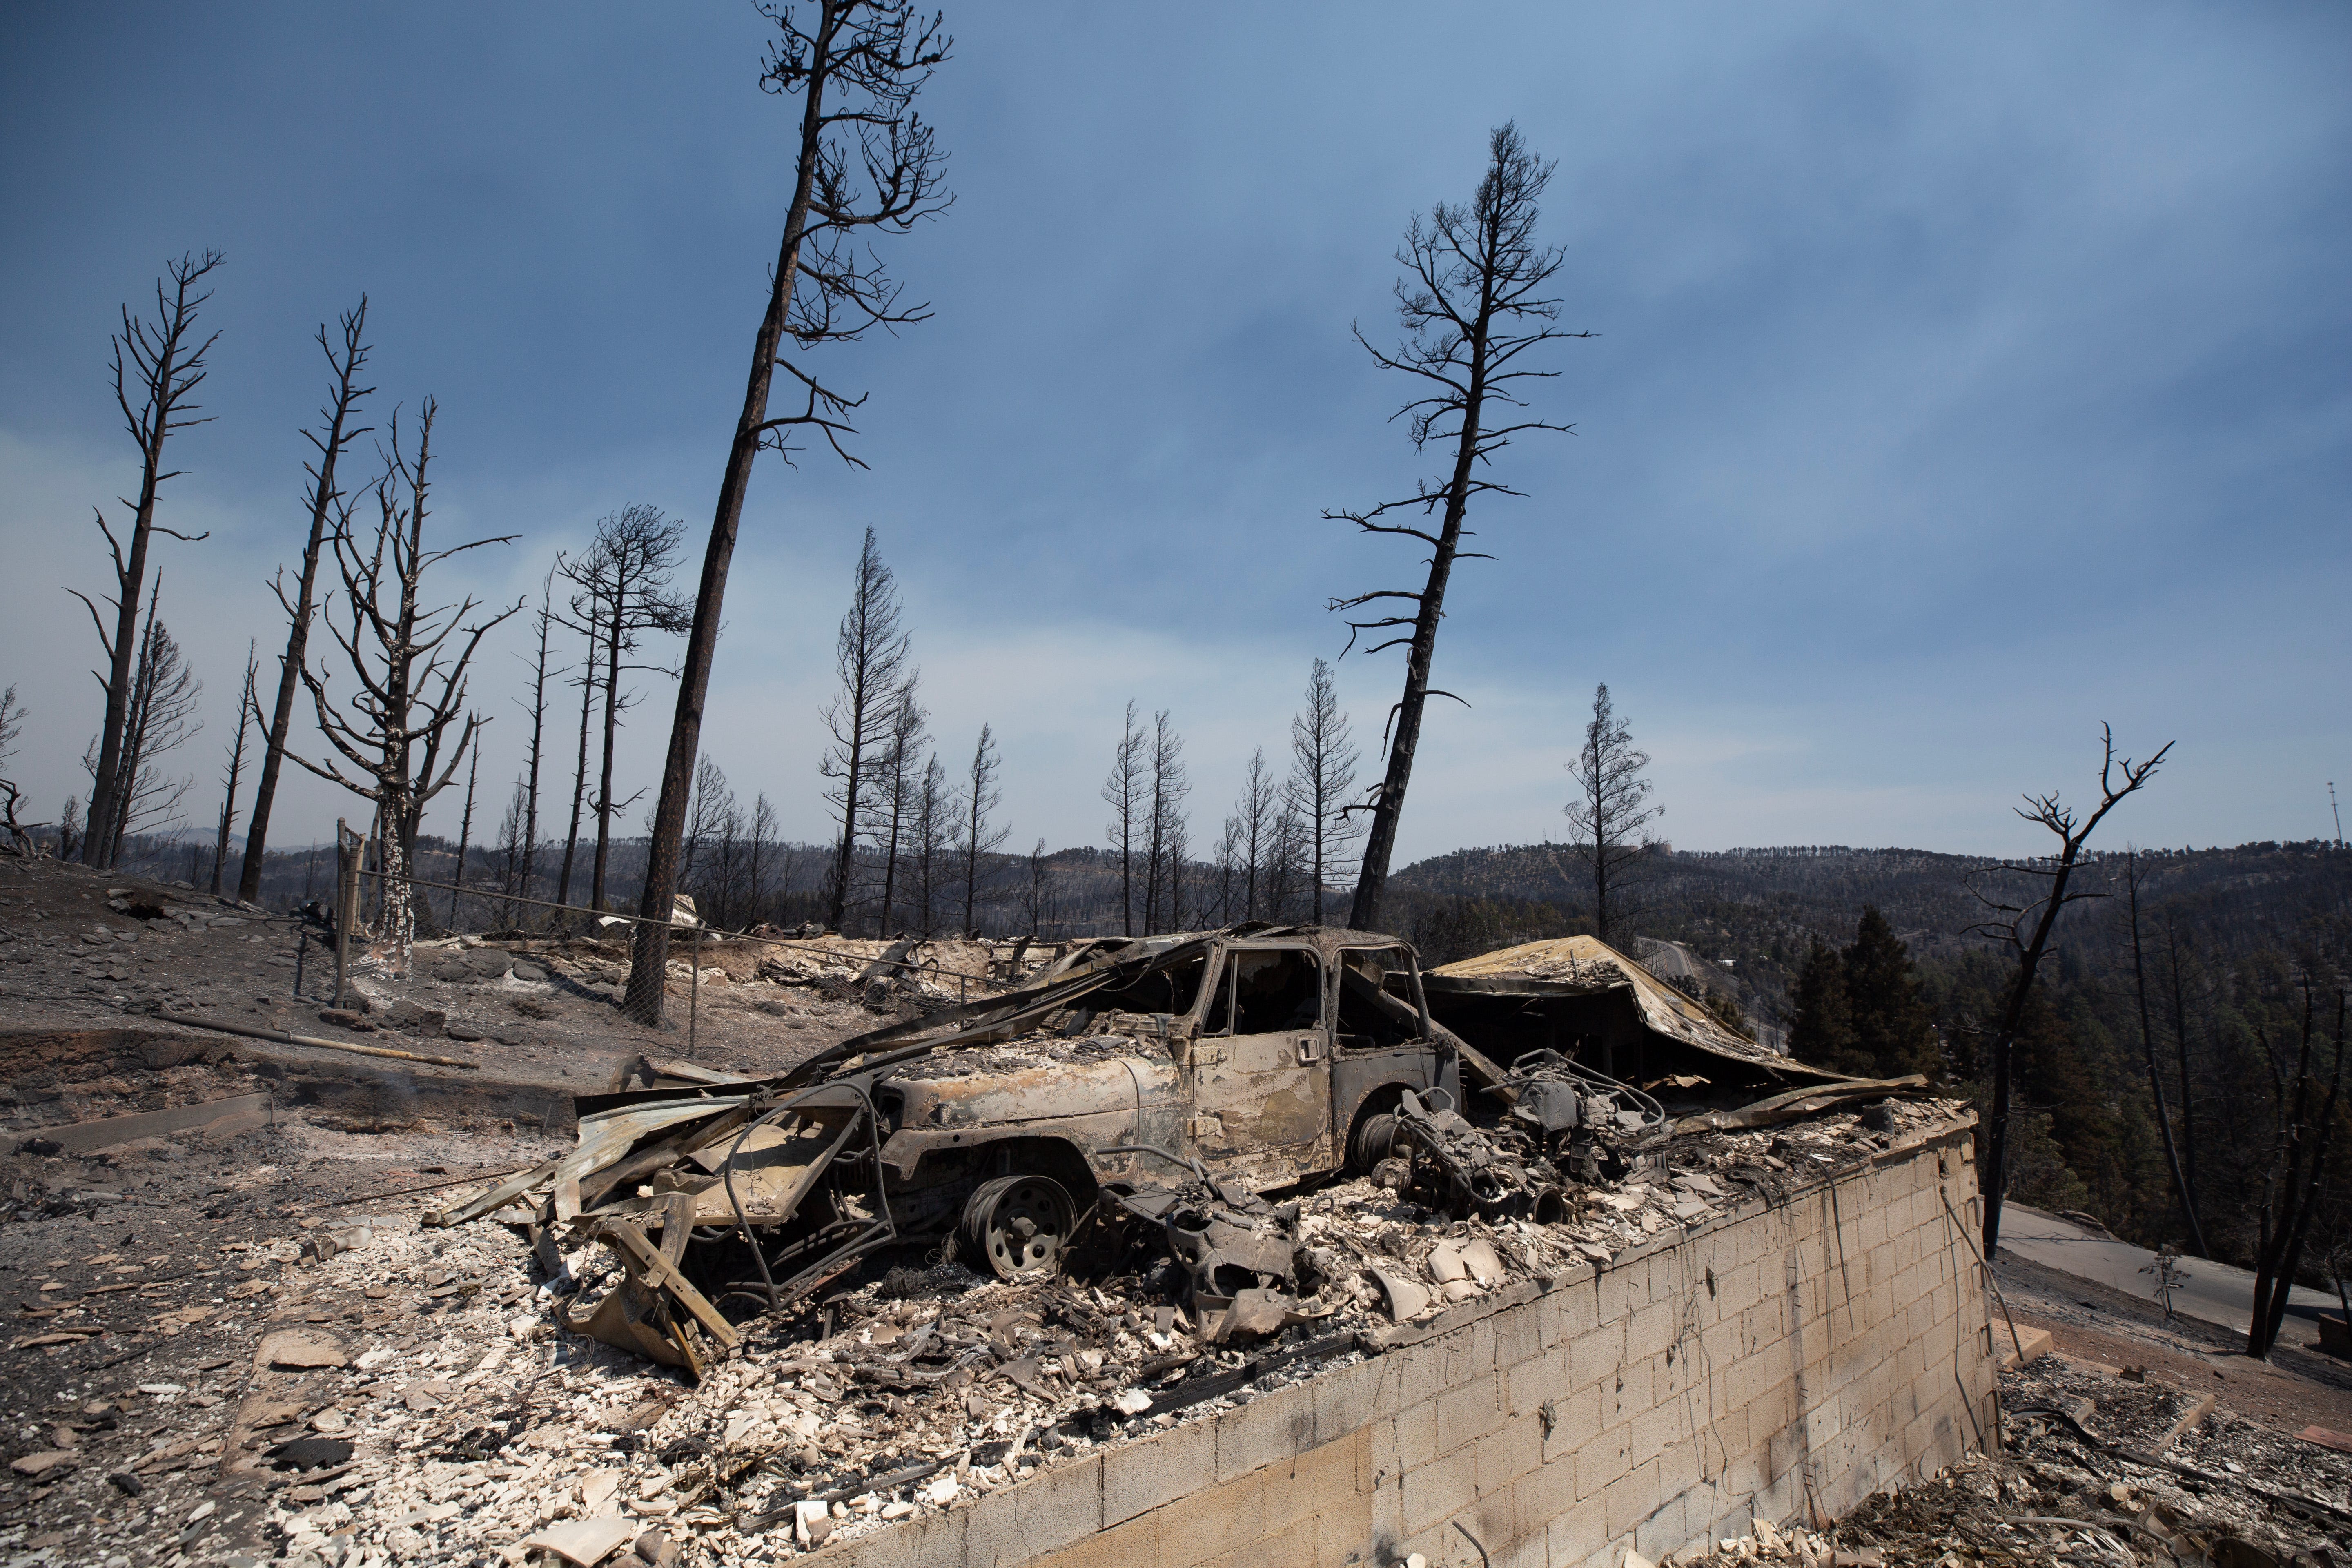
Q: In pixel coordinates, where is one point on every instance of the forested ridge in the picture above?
(2244, 954)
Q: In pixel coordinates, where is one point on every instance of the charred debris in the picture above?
(1168, 1111)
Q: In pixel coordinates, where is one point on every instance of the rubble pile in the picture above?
(2095, 1468)
(481, 1423)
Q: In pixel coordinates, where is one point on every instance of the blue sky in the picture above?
(1963, 378)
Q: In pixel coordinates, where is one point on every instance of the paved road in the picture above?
(2214, 1292)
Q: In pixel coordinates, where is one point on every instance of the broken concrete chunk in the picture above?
(302, 1349)
(1445, 1265)
(597, 1490)
(584, 1541)
(1479, 1257)
(659, 1550)
(1405, 1298)
(1131, 1402)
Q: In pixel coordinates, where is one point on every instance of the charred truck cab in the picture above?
(1258, 1058)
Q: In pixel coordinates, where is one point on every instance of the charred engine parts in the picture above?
(1565, 1123)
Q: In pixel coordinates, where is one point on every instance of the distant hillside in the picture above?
(1757, 911)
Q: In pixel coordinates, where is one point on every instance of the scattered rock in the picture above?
(42, 1461)
(584, 1541)
(302, 1349)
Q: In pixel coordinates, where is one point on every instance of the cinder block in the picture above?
(1177, 1463)
(1575, 1421)
(1436, 1492)
(1468, 1412)
(1227, 1518)
(1509, 1452)
(1350, 1398)
(1135, 1544)
(1630, 1499)
(1650, 1329)
(1416, 1436)
(1518, 1335)
(1058, 1506)
(1344, 1535)
(1334, 1471)
(1538, 1380)
(1270, 1429)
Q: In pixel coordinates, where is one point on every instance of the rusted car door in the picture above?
(1261, 1073)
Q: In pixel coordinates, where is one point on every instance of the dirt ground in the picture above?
(143, 1279)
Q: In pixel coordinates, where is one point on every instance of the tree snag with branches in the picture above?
(2181, 1186)
(976, 837)
(869, 655)
(867, 165)
(2301, 1125)
(2008, 925)
(623, 578)
(410, 675)
(1610, 810)
(1122, 791)
(338, 430)
(248, 709)
(158, 366)
(1322, 774)
(1472, 305)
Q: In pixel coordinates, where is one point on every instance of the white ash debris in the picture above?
(476, 1423)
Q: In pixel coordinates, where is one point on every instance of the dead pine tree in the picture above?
(889, 815)
(1322, 777)
(588, 618)
(409, 664)
(1472, 305)
(465, 837)
(624, 576)
(1250, 828)
(2303, 1125)
(246, 710)
(159, 719)
(338, 427)
(1123, 792)
(867, 166)
(869, 656)
(158, 365)
(2181, 1186)
(535, 750)
(976, 837)
(2022, 925)
(1169, 787)
(12, 724)
(1610, 812)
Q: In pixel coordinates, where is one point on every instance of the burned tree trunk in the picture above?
(158, 367)
(1122, 791)
(1610, 810)
(1471, 304)
(869, 656)
(2155, 1078)
(410, 675)
(1322, 774)
(246, 708)
(872, 57)
(338, 432)
(2118, 777)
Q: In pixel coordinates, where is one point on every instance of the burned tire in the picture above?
(1018, 1226)
(1374, 1138)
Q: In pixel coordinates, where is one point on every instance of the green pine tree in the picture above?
(1894, 1031)
(1822, 1032)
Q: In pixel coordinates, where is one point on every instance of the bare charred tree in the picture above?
(1252, 827)
(338, 427)
(159, 719)
(869, 655)
(1472, 305)
(934, 811)
(1168, 789)
(1180, 851)
(588, 612)
(975, 838)
(891, 814)
(1123, 792)
(764, 835)
(867, 166)
(535, 753)
(464, 838)
(409, 664)
(246, 709)
(2022, 924)
(158, 365)
(1037, 889)
(1285, 862)
(1322, 776)
(12, 724)
(2302, 1122)
(2155, 1078)
(512, 882)
(1610, 812)
(624, 580)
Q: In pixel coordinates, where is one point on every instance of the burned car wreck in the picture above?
(1143, 1096)
(1164, 1082)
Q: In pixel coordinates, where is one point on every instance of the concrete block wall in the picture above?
(1778, 1361)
